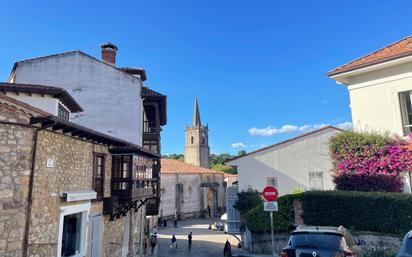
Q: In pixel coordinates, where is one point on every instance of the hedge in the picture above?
(257, 220)
(362, 211)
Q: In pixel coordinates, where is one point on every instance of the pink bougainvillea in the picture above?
(364, 165)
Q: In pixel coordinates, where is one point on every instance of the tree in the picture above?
(224, 168)
(369, 161)
(248, 200)
(241, 152)
(174, 156)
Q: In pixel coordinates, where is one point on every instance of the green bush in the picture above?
(257, 220)
(248, 200)
(362, 211)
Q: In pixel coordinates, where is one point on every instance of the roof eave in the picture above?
(370, 65)
(284, 142)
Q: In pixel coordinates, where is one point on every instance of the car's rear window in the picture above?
(408, 248)
(322, 241)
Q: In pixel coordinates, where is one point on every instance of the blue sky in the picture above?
(252, 64)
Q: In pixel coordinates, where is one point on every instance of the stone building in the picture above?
(187, 190)
(190, 188)
(67, 190)
(197, 151)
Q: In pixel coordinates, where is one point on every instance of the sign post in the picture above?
(270, 194)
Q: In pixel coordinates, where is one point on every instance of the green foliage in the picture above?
(362, 211)
(355, 142)
(241, 152)
(224, 168)
(219, 158)
(174, 156)
(258, 220)
(248, 200)
(297, 190)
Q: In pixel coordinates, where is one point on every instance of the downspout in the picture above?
(30, 196)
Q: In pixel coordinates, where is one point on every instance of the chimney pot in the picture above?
(109, 53)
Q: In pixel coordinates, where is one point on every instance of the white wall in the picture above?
(46, 103)
(111, 98)
(290, 163)
(374, 98)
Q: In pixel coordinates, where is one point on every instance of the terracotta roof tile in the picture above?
(393, 51)
(171, 166)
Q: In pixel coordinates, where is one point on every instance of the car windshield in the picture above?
(322, 241)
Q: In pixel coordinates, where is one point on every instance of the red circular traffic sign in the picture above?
(270, 193)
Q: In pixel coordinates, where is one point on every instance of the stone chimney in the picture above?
(109, 53)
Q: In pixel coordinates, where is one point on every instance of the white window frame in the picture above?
(73, 209)
(271, 178)
(323, 180)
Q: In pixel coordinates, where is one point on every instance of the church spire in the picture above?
(196, 115)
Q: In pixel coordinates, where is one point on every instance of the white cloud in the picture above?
(238, 145)
(270, 131)
(345, 125)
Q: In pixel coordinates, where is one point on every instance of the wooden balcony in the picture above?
(135, 180)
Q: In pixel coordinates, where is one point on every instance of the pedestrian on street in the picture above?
(173, 245)
(189, 241)
(153, 242)
(145, 244)
(154, 230)
(227, 251)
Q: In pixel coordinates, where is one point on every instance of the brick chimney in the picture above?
(109, 53)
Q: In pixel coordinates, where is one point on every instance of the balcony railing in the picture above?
(127, 190)
(150, 127)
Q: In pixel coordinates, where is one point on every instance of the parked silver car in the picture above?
(406, 247)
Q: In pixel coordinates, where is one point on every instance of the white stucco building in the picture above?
(110, 95)
(380, 88)
(302, 161)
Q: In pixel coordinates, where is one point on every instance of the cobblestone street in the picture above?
(206, 243)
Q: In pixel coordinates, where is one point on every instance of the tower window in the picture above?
(203, 140)
(191, 140)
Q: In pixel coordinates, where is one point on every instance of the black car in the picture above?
(312, 241)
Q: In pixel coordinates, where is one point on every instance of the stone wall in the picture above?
(72, 171)
(15, 162)
(194, 199)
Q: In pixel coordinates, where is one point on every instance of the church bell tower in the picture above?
(197, 149)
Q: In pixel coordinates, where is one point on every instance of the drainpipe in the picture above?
(410, 182)
(30, 196)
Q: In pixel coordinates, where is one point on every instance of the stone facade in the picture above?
(197, 151)
(192, 199)
(72, 171)
(15, 162)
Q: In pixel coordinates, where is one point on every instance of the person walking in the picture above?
(189, 241)
(227, 251)
(153, 242)
(173, 245)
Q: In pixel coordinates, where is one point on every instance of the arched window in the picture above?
(191, 140)
(203, 141)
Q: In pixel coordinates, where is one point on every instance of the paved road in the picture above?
(205, 243)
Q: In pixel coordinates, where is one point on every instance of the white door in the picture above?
(125, 244)
(96, 235)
